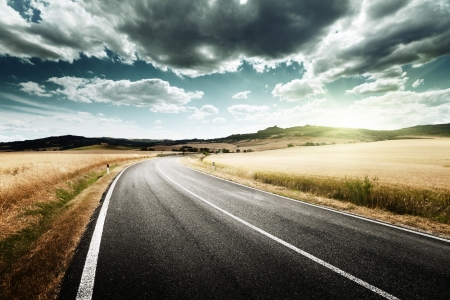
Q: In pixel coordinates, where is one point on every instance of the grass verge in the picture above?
(422, 209)
(34, 259)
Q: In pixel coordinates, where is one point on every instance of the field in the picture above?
(104, 148)
(46, 200)
(403, 181)
(423, 163)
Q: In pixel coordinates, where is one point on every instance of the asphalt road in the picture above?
(174, 233)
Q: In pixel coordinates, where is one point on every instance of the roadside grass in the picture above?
(403, 200)
(432, 204)
(19, 243)
(33, 259)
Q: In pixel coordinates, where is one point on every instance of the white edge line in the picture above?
(292, 247)
(326, 208)
(86, 287)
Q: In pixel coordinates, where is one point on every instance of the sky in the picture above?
(172, 69)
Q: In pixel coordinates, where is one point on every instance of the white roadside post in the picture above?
(107, 168)
(213, 165)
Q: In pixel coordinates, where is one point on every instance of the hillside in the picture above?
(344, 133)
(66, 142)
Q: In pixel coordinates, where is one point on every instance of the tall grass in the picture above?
(434, 204)
(39, 222)
(429, 203)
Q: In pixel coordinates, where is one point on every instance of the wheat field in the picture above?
(28, 177)
(420, 163)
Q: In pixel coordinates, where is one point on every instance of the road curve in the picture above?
(174, 233)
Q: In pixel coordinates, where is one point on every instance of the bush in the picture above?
(290, 145)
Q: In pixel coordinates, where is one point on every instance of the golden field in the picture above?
(29, 177)
(46, 202)
(423, 163)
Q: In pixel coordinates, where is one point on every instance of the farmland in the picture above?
(46, 200)
(404, 182)
(423, 163)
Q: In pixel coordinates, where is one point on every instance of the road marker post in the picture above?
(107, 168)
(213, 165)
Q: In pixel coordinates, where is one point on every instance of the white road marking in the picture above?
(292, 247)
(326, 208)
(86, 287)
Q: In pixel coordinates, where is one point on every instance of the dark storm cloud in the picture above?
(413, 35)
(197, 37)
(205, 35)
(381, 9)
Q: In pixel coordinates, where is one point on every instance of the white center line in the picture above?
(292, 247)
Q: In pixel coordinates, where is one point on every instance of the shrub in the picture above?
(290, 145)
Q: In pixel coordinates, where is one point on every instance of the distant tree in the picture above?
(238, 150)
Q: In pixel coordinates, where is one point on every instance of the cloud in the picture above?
(201, 113)
(244, 109)
(379, 86)
(100, 115)
(241, 95)
(83, 113)
(190, 37)
(298, 89)
(168, 108)
(417, 83)
(195, 38)
(209, 109)
(219, 120)
(158, 122)
(65, 30)
(399, 99)
(382, 35)
(155, 93)
(263, 113)
(33, 88)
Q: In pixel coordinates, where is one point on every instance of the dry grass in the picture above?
(27, 178)
(42, 218)
(247, 177)
(401, 176)
(281, 143)
(415, 163)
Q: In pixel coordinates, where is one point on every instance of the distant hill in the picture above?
(66, 142)
(345, 133)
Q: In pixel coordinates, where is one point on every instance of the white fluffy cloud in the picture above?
(219, 120)
(417, 83)
(65, 30)
(298, 89)
(201, 113)
(263, 113)
(241, 95)
(244, 109)
(155, 93)
(379, 86)
(33, 88)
